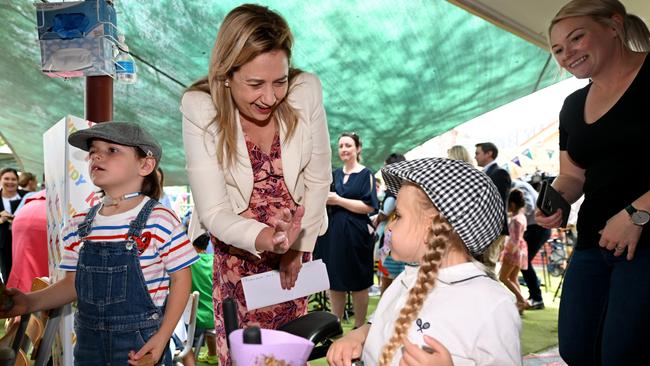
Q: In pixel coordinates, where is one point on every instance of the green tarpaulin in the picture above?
(397, 73)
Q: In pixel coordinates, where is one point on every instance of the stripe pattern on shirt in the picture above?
(169, 250)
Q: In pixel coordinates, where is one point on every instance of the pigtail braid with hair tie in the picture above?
(438, 239)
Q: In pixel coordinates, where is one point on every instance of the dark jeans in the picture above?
(535, 236)
(605, 309)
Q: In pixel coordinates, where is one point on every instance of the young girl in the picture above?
(446, 213)
(121, 256)
(515, 253)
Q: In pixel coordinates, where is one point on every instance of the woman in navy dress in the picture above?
(347, 247)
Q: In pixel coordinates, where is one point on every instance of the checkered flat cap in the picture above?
(465, 196)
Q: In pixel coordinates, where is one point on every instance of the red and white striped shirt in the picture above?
(169, 250)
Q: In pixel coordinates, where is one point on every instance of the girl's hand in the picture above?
(620, 234)
(290, 264)
(332, 199)
(413, 355)
(155, 346)
(20, 303)
(344, 350)
(548, 222)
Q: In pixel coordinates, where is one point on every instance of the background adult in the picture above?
(258, 158)
(29, 243)
(11, 196)
(164, 197)
(28, 182)
(604, 130)
(535, 237)
(459, 152)
(347, 247)
(485, 155)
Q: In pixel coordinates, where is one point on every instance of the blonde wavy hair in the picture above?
(634, 35)
(458, 152)
(440, 238)
(246, 32)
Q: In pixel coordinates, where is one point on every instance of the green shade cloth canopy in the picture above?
(397, 73)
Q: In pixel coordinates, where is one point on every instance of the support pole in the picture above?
(99, 98)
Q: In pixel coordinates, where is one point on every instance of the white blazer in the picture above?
(222, 192)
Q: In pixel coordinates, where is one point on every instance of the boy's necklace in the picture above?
(108, 201)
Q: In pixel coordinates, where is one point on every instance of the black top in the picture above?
(5, 231)
(614, 153)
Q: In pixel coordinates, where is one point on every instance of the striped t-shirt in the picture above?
(169, 250)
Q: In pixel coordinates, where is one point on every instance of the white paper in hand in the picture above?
(264, 289)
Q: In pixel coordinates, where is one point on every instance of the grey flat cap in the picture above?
(122, 133)
(466, 197)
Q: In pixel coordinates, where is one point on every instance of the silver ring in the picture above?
(619, 248)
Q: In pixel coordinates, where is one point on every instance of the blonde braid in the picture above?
(438, 239)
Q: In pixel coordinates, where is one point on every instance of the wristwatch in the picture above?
(639, 217)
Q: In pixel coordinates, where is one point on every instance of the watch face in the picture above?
(640, 217)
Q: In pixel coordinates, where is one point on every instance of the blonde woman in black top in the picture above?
(604, 130)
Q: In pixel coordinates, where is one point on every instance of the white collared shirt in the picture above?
(472, 315)
(485, 168)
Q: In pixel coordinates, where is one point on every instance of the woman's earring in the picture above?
(227, 84)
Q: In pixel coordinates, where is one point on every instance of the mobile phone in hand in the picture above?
(550, 200)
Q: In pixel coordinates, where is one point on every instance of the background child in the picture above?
(446, 213)
(389, 267)
(202, 282)
(122, 257)
(515, 252)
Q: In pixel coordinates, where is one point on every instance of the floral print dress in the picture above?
(515, 251)
(270, 194)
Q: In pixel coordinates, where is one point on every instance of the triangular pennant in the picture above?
(516, 161)
(528, 154)
(550, 153)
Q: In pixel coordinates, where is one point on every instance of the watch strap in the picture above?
(638, 217)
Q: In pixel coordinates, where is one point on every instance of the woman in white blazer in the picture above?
(258, 161)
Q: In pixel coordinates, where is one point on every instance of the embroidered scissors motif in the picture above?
(422, 325)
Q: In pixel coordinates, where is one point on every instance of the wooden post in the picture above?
(99, 98)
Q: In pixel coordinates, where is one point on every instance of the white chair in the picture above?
(192, 303)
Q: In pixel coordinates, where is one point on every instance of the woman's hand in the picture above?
(332, 199)
(5, 217)
(155, 345)
(283, 232)
(287, 227)
(290, 264)
(436, 355)
(548, 222)
(348, 348)
(620, 233)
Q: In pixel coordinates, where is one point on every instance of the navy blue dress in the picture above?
(347, 246)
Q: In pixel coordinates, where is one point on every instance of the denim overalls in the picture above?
(115, 311)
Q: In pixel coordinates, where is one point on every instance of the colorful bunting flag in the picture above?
(516, 161)
(550, 153)
(528, 153)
